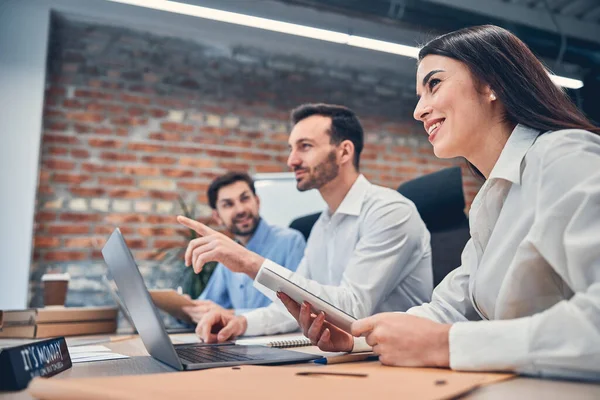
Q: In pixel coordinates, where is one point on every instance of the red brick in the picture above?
(82, 128)
(62, 139)
(129, 121)
(208, 131)
(209, 175)
(178, 173)
(405, 170)
(167, 137)
(106, 143)
(103, 130)
(70, 178)
(161, 219)
(107, 230)
(402, 150)
(239, 143)
(161, 195)
(118, 156)
(369, 155)
(136, 111)
(159, 160)
(85, 117)
(157, 231)
(183, 150)
(45, 190)
(57, 151)
(56, 91)
(55, 125)
(65, 256)
(68, 229)
(120, 219)
(202, 140)
(193, 186)
(80, 153)
(105, 108)
(92, 94)
(59, 164)
(85, 242)
(122, 131)
(87, 191)
(147, 147)
(45, 242)
(271, 168)
(233, 166)
(274, 146)
(175, 127)
(140, 171)
(45, 216)
(128, 98)
(280, 137)
(95, 168)
(127, 193)
(167, 244)
(197, 162)
(254, 135)
(50, 113)
(79, 217)
(72, 103)
(255, 156)
(126, 181)
(158, 113)
(171, 103)
(136, 243)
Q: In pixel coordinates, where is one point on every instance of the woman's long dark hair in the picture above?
(498, 58)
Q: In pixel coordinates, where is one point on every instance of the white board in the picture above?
(281, 202)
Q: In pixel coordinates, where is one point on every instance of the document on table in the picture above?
(81, 354)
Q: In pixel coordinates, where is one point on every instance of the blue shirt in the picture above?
(234, 290)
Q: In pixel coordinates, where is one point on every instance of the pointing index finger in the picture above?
(199, 227)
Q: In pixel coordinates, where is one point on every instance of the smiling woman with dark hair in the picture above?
(527, 295)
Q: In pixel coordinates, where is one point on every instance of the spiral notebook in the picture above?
(280, 341)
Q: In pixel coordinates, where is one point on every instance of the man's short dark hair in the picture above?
(226, 180)
(344, 124)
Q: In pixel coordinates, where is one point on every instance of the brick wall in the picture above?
(133, 120)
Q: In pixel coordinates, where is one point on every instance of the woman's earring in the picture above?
(492, 96)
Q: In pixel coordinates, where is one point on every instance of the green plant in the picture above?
(191, 283)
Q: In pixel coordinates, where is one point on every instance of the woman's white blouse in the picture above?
(527, 295)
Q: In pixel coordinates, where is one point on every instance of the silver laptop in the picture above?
(148, 323)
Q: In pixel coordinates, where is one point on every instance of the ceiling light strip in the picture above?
(299, 30)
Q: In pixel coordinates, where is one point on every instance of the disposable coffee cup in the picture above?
(55, 289)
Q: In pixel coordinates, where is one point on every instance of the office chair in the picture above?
(440, 201)
(305, 224)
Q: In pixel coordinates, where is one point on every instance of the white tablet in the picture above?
(278, 283)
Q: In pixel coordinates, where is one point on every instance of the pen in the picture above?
(351, 357)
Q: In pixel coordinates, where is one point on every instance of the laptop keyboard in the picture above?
(206, 354)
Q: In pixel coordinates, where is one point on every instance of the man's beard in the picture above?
(247, 231)
(320, 175)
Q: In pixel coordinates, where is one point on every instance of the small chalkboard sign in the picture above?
(20, 364)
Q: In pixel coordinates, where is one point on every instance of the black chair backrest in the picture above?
(440, 201)
(305, 224)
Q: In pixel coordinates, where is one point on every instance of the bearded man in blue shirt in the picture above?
(236, 207)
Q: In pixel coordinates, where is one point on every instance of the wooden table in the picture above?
(141, 363)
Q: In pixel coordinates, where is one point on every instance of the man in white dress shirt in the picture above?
(369, 251)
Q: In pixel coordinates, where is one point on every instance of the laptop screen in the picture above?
(134, 294)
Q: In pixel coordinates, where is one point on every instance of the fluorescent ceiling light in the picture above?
(298, 30)
(566, 82)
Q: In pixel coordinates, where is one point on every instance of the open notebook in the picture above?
(280, 341)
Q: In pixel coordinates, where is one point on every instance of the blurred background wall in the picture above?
(134, 120)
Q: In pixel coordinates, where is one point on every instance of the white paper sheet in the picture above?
(80, 354)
